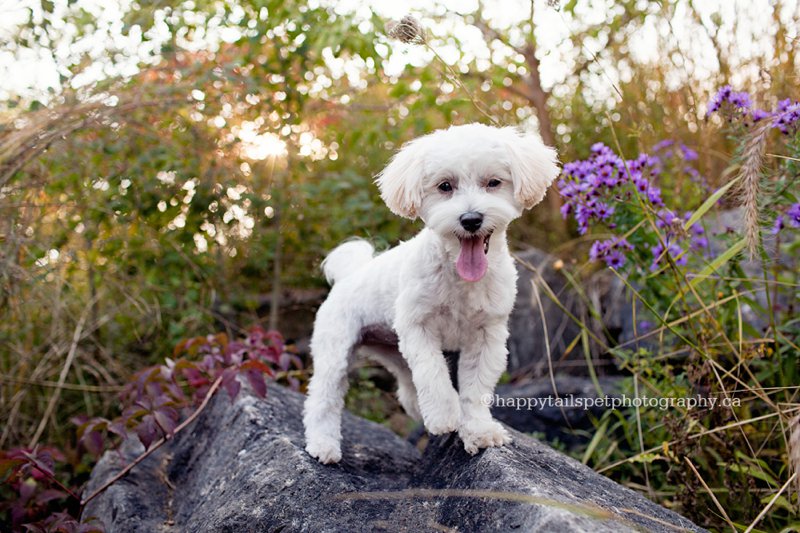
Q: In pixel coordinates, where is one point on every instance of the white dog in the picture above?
(451, 287)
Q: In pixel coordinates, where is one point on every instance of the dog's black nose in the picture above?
(471, 221)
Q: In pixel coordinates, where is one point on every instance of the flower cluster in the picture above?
(791, 217)
(785, 117)
(738, 101)
(612, 251)
(586, 186)
(593, 190)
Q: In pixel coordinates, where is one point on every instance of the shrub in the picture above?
(42, 485)
(709, 321)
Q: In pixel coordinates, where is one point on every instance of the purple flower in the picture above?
(786, 116)
(598, 250)
(663, 144)
(790, 218)
(699, 243)
(674, 251)
(665, 218)
(793, 213)
(759, 114)
(778, 226)
(601, 149)
(716, 102)
(654, 195)
(738, 101)
(688, 153)
(641, 183)
(783, 105)
(603, 211)
(615, 259)
(741, 100)
(582, 216)
(612, 251)
(623, 244)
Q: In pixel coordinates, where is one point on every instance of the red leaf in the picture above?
(256, 380)
(167, 418)
(118, 428)
(255, 364)
(79, 420)
(231, 384)
(93, 442)
(49, 495)
(9, 466)
(147, 430)
(179, 348)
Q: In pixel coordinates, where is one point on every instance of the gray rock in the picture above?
(555, 422)
(241, 467)
(526, 343)
(561, 494)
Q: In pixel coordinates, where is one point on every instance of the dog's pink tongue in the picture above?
(472, 263)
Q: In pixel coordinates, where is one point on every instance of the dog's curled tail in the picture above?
(346, 259)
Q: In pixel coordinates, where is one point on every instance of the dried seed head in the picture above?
(750, 187)
(554, 4)
(407, 30)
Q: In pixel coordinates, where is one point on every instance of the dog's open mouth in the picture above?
(472, 262)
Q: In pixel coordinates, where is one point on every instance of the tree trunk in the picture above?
(538, 98)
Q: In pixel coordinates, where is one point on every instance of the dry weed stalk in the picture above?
(794, 451)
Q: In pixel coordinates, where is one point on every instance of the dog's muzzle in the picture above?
(471, 221)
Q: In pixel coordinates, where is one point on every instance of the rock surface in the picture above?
(526, 344)
(241, 467)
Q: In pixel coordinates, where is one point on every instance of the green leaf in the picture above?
(646, 458)
(709, 203)
(718, 262)
(598, 436)
(754, 472)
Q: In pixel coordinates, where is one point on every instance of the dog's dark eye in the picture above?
(493, 183)
(445, 186)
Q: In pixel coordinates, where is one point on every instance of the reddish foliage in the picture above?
(154, 402)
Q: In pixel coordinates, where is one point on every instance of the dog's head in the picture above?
(467, 182)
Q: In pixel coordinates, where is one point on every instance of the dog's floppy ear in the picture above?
(401, 182)
(534, 166)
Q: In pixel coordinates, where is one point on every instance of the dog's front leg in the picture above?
(480, 365)
(438, 400)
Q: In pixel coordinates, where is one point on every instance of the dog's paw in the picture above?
(445, 417)
(478, 434)
(326, 451)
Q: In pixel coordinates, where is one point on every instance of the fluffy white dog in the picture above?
(451, 287)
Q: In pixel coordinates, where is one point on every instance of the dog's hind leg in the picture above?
(331, 347)
(390, 358)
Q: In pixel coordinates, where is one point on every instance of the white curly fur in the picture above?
(416, 290)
